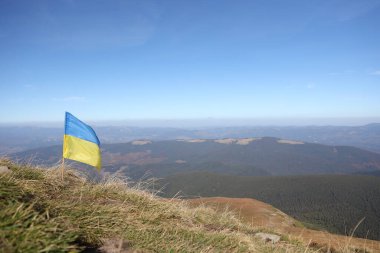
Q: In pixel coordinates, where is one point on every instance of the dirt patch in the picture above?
(141, 142)
(246, 141)
(226, 141)
(193, 140)
(290, 142)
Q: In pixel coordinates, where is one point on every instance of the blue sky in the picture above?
(122, 60)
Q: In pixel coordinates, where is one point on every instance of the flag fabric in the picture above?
(80, 142)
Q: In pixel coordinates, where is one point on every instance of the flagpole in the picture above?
(62, 167)
(63, 148)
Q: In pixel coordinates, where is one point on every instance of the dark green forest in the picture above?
(333, 202)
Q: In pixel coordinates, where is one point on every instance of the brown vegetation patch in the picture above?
(193, 140)
(225, 141)
(290, 142)
(246, 141)
(141, 142)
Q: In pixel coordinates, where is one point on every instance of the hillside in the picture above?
(333, 202)
(365, 137)
(41, 213)
(258, 213)
(248, 157)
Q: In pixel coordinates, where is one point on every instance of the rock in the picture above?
(116, 245)
(268, 237)
(4, 169)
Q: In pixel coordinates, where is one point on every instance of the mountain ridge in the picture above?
(246, 156)
(16, 139)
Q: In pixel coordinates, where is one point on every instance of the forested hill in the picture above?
(249, 156)
(333, 202)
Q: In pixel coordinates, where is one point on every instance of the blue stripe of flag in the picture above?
(77, 128)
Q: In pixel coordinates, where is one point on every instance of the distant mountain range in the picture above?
(16, 139)
(248, 157)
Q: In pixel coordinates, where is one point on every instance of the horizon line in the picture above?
(212, 122)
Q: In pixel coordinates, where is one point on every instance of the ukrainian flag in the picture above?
(80, 142)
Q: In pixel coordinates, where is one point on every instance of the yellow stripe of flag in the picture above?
(81, 151)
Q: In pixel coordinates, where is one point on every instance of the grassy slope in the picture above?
(41, 213)
(334, 202)
(259, 213)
